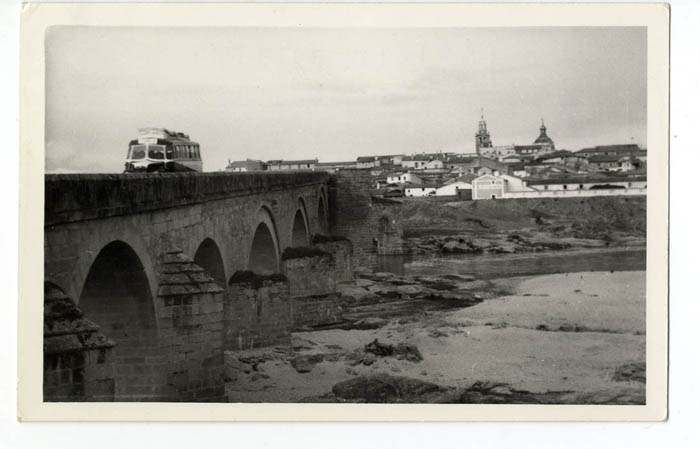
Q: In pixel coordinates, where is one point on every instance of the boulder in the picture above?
(384, 388)
(401, 351)
(305, 363)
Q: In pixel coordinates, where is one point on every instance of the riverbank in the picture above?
(560, 338)
(522, 225)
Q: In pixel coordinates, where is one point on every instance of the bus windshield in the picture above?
(138, 151)
(156, 151)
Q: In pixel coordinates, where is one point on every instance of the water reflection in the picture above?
(506, 265)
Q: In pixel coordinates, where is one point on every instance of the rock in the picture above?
(360, 357)
(480, 244)
(631, 372)
(384, 291)
(383, 388)
(257, 376)
(504, 249)
(362, 282)
(436, 333)
(356, 293)
(305, 363)
(377, 277)
(456, 248)
(436, 283)
(459, 277)
(369, 323)
(464, 298)
(409, 290)
(402, 351)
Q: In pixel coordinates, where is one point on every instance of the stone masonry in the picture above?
(77, 356)
(257, 312)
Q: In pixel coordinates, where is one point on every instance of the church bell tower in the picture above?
(482, 137)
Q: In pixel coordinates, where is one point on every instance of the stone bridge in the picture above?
(149, 278)
(225, 222)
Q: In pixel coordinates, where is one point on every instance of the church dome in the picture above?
(543, 137)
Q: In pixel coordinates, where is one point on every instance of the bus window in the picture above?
(168, 152)
(155, 151)
(190, 152)
(138, 152)
(196, 149)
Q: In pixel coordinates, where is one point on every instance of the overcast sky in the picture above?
(335, 94)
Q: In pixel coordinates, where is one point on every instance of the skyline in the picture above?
(337, 94)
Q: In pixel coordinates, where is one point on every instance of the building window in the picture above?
(565, 186)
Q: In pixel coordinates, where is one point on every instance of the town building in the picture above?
(612, 150)
(484, 147)
(281, 165)
(368, 162)
(332, 167)
(245, 166)
(496, 186)
(563, 157)
(419, 190)
(544, 141)
(452, 187)
(416, 162)
(588, 183)
(404, 178)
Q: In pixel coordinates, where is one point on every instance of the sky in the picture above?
(336, 94)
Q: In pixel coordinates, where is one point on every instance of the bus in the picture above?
(161, 150)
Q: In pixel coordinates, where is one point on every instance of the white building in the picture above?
(416, 162)
(451, 187)
(497, 186)
(412, 190)
(504, 186)
(404, 178)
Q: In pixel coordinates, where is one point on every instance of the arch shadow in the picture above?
(117, 296)
(301, 235)
(208, 256)
(264, 256)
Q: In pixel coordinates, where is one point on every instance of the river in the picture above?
(492, 266)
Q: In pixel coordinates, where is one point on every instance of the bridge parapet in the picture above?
(71, 198)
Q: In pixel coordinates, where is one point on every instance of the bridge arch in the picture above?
(264, 256)
(117, 296)
(300, 225)
(208, 256)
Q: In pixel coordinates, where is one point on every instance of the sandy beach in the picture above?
(562, 338)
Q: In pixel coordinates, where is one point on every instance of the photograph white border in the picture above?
(35, 18)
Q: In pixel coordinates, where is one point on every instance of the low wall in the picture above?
(575, 193)
(258, 311)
